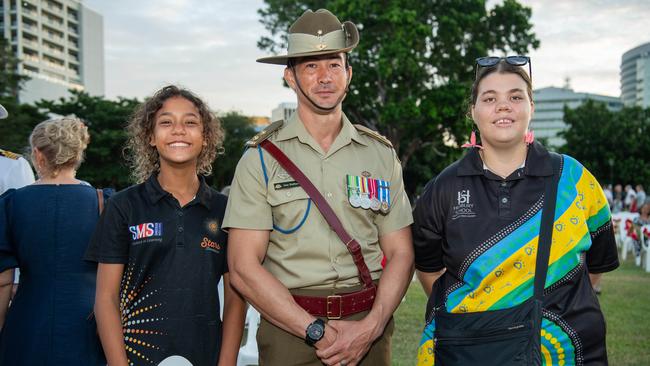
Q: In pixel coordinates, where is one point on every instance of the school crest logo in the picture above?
(463, 208)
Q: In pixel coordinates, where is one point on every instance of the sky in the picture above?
(210, 47)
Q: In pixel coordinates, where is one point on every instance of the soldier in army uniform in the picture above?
(15, 171)
(283, 256)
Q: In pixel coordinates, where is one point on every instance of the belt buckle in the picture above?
(331, 301)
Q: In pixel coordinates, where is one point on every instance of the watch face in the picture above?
(315, 331)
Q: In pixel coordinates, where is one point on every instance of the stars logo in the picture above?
(212, 226)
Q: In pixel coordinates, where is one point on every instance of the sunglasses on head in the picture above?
(512, 60)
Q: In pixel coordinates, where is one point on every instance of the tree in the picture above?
(11, 81)
(238, 129)
(15, 130)
(104, 165)
(414, 66)
(614, 146)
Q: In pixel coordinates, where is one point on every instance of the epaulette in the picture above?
(374, 134)
(257, 139)
(9, 154)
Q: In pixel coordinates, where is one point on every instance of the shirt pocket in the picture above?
(290, 208)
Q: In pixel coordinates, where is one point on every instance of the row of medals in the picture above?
(363, 200)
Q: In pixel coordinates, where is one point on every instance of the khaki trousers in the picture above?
(280, 348)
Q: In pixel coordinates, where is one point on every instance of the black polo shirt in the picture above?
(174, 257)
(483, 229)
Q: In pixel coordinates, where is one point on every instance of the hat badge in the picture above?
(320, 46)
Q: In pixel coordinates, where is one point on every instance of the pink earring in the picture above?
(529, 137)
(472, 142)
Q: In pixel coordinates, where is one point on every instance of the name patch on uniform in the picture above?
(146, 230)
(285, 185)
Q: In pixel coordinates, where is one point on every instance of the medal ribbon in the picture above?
(372, 185)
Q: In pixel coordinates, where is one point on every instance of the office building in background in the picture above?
(60, 44)
(548, 119)
(283, 111)
(635, 76)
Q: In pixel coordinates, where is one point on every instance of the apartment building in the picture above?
(60, 44)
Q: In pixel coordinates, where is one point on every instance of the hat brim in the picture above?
(351, 43)
(3, 112)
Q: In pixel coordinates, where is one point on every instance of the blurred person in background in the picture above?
(640, 196)
(15, 172)
(629, 203)
(638, 223)
(607, 190)
(617, 206)
(44, 230)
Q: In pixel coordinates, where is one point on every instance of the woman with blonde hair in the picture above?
(44, 230)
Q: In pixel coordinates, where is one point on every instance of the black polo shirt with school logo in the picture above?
(174, 257)
(484, 229)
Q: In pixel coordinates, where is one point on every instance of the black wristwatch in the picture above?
(315, 332)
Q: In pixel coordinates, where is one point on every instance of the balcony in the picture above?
(54, 37)
(29, 27)
(53, 51)
(53, 8)
(31, 43)
(33, 13)
(31, 58)
(54, 23)
(54, 65)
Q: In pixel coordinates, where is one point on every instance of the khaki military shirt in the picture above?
(313, 256)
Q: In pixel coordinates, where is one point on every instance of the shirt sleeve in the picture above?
(7, 255)
(602, 256)
(400, 215)
(225, 254)
(428, 230)
(20, 175)
(247, 205)
(110, 241)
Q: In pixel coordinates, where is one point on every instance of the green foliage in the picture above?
(15, 130)
(11, 80)
(104, 165)
(414, 66)
(598, 137)
(238, 129)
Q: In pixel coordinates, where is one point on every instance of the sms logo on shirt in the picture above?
(146, 230)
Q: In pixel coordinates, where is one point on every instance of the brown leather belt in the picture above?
(338, 306)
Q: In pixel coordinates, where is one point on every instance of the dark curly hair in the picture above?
(143, 158)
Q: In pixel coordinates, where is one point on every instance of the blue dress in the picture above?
(44, 230)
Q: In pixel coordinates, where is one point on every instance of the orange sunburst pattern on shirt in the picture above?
(137, 321)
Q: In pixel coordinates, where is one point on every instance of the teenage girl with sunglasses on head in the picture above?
(160, 247)
(477, 228)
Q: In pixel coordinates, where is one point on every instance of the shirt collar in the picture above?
(294, 127)
(155, 192)
(538, 162)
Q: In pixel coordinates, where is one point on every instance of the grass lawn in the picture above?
(625, 301)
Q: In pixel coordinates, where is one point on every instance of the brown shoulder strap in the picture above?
(326, 210)
(100, 200)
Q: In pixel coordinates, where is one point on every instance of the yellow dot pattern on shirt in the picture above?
(558, 347)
